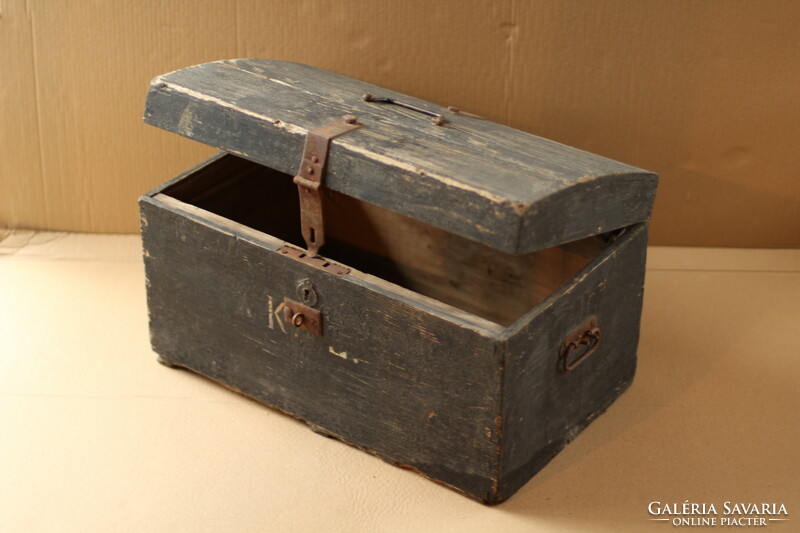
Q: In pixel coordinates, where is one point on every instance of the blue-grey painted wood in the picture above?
(475, 405)
(490, 183)
(415, 386)
(546, 407)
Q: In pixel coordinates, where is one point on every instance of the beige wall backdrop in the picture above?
(707, 94)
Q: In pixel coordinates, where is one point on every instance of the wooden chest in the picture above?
(477, 299)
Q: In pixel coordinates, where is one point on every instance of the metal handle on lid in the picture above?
(438, 119)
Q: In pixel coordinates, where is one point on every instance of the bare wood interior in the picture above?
(468, 275)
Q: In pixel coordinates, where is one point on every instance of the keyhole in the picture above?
(306, 292)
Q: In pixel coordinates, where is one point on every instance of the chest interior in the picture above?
(465, 274)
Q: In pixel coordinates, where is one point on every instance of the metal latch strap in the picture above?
(309, 179)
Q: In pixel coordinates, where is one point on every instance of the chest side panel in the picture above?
(545, 405)
(385, 375)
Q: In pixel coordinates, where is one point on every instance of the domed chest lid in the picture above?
(490, 183)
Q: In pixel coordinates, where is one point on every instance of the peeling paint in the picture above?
(291, 128)
(392, 162)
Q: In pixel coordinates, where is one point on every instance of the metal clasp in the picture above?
(309, 179)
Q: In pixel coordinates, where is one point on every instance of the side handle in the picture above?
(579, 345)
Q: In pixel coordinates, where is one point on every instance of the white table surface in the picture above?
(98, 437)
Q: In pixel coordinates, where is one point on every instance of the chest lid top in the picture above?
(490, 183)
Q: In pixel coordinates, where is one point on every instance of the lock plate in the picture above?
(302, 316)
(315, 261)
